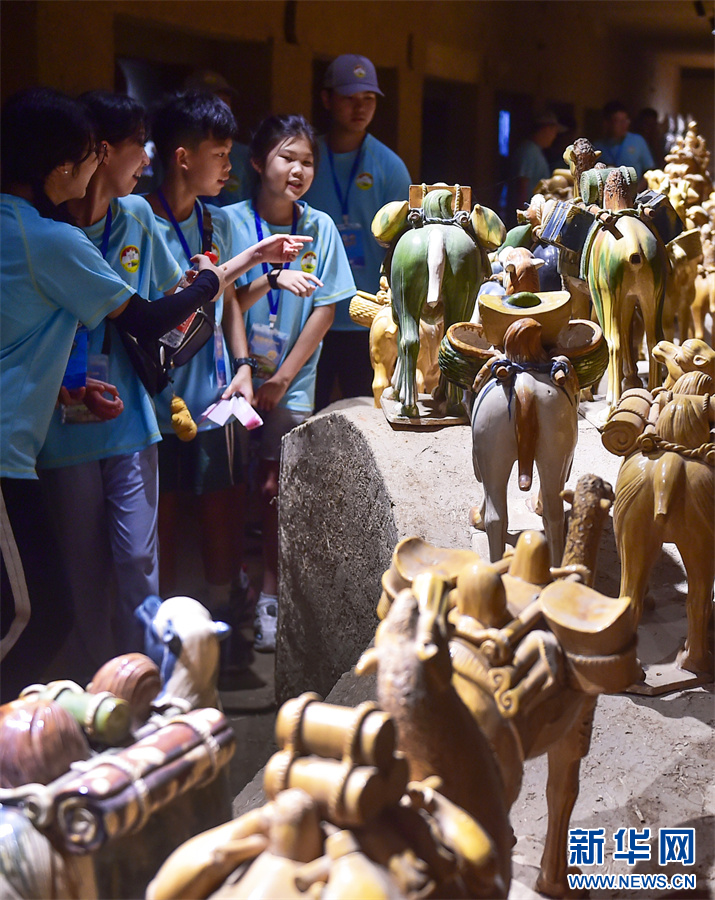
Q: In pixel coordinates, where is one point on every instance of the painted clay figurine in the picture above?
(528, 413)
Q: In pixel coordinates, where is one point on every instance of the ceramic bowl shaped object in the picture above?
(462, 353)
(552, 309)
(582, 341)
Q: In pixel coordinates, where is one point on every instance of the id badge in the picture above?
(220, 357)
(98, 368)
(266, 346)
(351, 233)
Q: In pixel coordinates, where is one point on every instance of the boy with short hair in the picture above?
(193, 133)
(356, 176)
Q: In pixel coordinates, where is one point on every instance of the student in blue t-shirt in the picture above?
(288, 312)
(356, 176)
(52, 277)
(109, 469)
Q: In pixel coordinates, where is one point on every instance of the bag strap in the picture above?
(206, 243)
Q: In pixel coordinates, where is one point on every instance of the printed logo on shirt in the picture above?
(364, 181)
(129, 258)
(309, 261)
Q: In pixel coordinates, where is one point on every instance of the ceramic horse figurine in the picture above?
(183, 640)
(438, 258)
(529, 414)
(626, 268)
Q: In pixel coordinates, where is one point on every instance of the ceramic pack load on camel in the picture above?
(84, 771)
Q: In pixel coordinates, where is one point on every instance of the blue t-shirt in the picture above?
(380, 177)
(197, 382)
(138, 253)
(52, 277)
(631, 151)
(325, 258)
(530, 162)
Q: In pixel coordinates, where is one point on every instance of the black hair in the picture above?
(276, 129)
(187, 118)
(41, 129)
(116, 117)
(613, 107)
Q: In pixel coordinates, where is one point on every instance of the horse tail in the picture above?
(527, 430)
(669, 482)
(436, 260)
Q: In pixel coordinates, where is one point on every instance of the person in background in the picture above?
(108, 470)
(530, 164)
(288, 312)
(242, 179)
(356, 176)
(618, 146)
(648, 127)
(52, 276)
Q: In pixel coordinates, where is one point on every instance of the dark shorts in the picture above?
(276, 423)
(213, 461)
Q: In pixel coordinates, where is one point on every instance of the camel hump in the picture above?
(669, 481)
(527, 430)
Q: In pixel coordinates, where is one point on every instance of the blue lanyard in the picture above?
(273, 301)
(105, 234)
(343, 198)
(179, 232)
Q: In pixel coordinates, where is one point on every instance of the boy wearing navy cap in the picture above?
(356, 176)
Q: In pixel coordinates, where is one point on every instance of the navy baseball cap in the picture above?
(351, 74)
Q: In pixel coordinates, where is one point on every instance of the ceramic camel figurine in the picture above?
(666, 492)
(526, 651)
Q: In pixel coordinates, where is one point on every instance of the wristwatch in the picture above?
(273, 278)
(245, 361)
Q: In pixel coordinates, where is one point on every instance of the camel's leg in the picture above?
(638, 549)
(697, 554)
(562, 788)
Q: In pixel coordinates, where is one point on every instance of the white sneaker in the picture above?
(264, 624)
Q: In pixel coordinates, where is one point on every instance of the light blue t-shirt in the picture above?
(52, 276)
(530, 162)
(138, 253)
(325, 258)
(631, 151)
(197, 382)
(380, 177)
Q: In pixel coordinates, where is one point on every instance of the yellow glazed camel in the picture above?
(666, 492)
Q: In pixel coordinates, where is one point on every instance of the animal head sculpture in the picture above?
(521, 270)
(692, 355)
(182, 639)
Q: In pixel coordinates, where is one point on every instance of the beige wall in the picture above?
(555, 51)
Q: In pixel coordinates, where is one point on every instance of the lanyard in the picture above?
(175, 224)
(273, 301)
(343, 198)
(105, 234)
